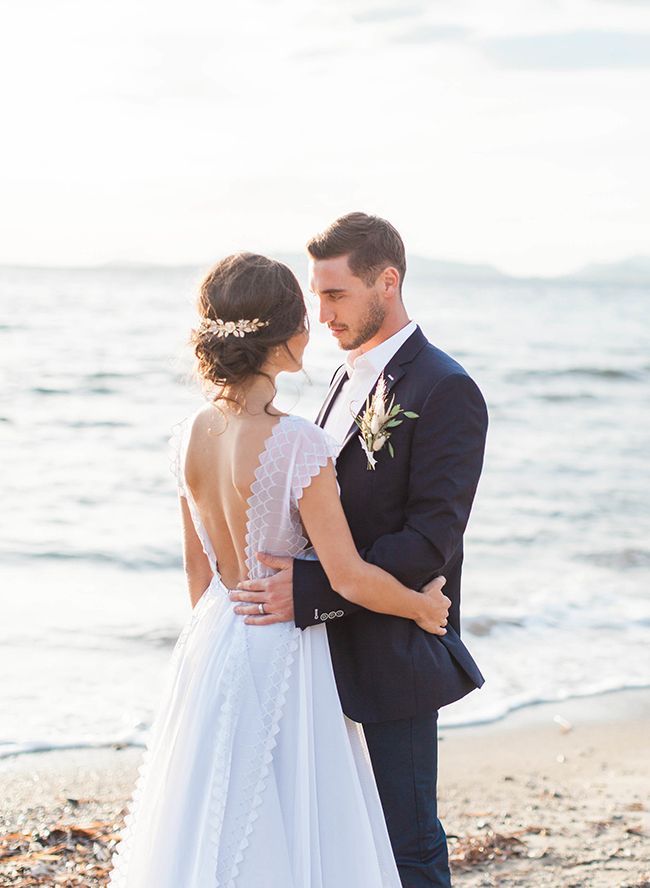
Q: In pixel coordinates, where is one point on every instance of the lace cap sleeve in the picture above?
(313, 448)
(177, 449)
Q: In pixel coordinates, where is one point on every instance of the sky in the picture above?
(513, 132)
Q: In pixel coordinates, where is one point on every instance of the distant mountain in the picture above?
(297, 262)
(629, 271)
(633, 271)
(419, 268)
(437, 269)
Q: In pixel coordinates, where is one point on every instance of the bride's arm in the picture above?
(351, 576)
(197, 567)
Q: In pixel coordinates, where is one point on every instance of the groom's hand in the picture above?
(274, 592)
(439, 610)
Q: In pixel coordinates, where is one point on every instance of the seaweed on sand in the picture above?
(65, 855)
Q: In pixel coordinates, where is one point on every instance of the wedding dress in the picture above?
(254, 778)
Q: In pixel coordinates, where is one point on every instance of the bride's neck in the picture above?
(257, 396)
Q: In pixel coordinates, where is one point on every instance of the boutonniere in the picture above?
(377, 422)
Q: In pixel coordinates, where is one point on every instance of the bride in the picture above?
(254, 778)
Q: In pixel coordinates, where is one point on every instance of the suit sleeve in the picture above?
(445, 465)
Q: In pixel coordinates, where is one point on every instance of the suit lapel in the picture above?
(335, 387)
(393, 372)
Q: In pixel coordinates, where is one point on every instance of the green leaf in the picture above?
(410, 415)
(390, 449)
(393, 423)
(395, 410)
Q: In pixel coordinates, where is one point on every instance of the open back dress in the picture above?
(254, 778)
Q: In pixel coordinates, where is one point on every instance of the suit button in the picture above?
(339, 613)
(324, 616)
(332, 615)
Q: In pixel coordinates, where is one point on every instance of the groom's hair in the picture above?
(370, 242)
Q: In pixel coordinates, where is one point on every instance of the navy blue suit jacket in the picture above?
(408, 516)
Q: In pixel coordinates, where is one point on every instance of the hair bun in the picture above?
(248, 304)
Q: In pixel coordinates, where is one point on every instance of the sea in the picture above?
(96, 371)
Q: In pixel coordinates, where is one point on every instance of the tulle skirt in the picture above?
(253, 777)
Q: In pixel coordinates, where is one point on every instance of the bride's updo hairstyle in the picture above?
(257, 305)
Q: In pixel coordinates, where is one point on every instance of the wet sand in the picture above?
(555, 795)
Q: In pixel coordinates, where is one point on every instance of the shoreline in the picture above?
(615, 704)
(621, 704)
(555, 795)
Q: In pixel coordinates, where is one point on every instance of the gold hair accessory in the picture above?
(231, 328)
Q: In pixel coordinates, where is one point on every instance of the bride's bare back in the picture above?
(222, 456)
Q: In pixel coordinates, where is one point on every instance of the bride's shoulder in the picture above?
(301, 425)
(307, 448)
(307, 433)
(182, 431)
(191, 418)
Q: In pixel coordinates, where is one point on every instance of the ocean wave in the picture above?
(607, 373)
(622, 559)
(100, 390)
(584, 396)
(99, 424)
(483, 625)
(111, 375)
(42, 390)
(158, 561)
(91, 388)
(154, 637)
(135, 736)
(499, 709)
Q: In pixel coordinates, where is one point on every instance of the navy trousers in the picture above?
(404, 756)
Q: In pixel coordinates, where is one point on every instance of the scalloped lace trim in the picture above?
(309, 462)
(281, 459)
(232, 837)
(175, 453)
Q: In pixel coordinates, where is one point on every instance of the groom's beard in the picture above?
(368, 327)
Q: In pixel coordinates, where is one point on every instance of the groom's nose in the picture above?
(325, 313)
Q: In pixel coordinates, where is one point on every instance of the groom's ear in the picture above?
(388, 282)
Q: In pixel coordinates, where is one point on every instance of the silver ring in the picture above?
(261, 607)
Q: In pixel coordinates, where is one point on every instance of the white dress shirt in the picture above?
(363, 373)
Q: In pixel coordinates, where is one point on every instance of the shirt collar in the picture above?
(376, 359)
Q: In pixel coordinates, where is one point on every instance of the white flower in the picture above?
(372, 462)
(378, 421)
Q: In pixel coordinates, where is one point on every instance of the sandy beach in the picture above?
(555, 795)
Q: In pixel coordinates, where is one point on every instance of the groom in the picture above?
(407, 515)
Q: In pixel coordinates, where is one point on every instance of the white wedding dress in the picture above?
(254, 778)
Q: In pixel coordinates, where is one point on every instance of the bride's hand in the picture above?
(436, 608)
